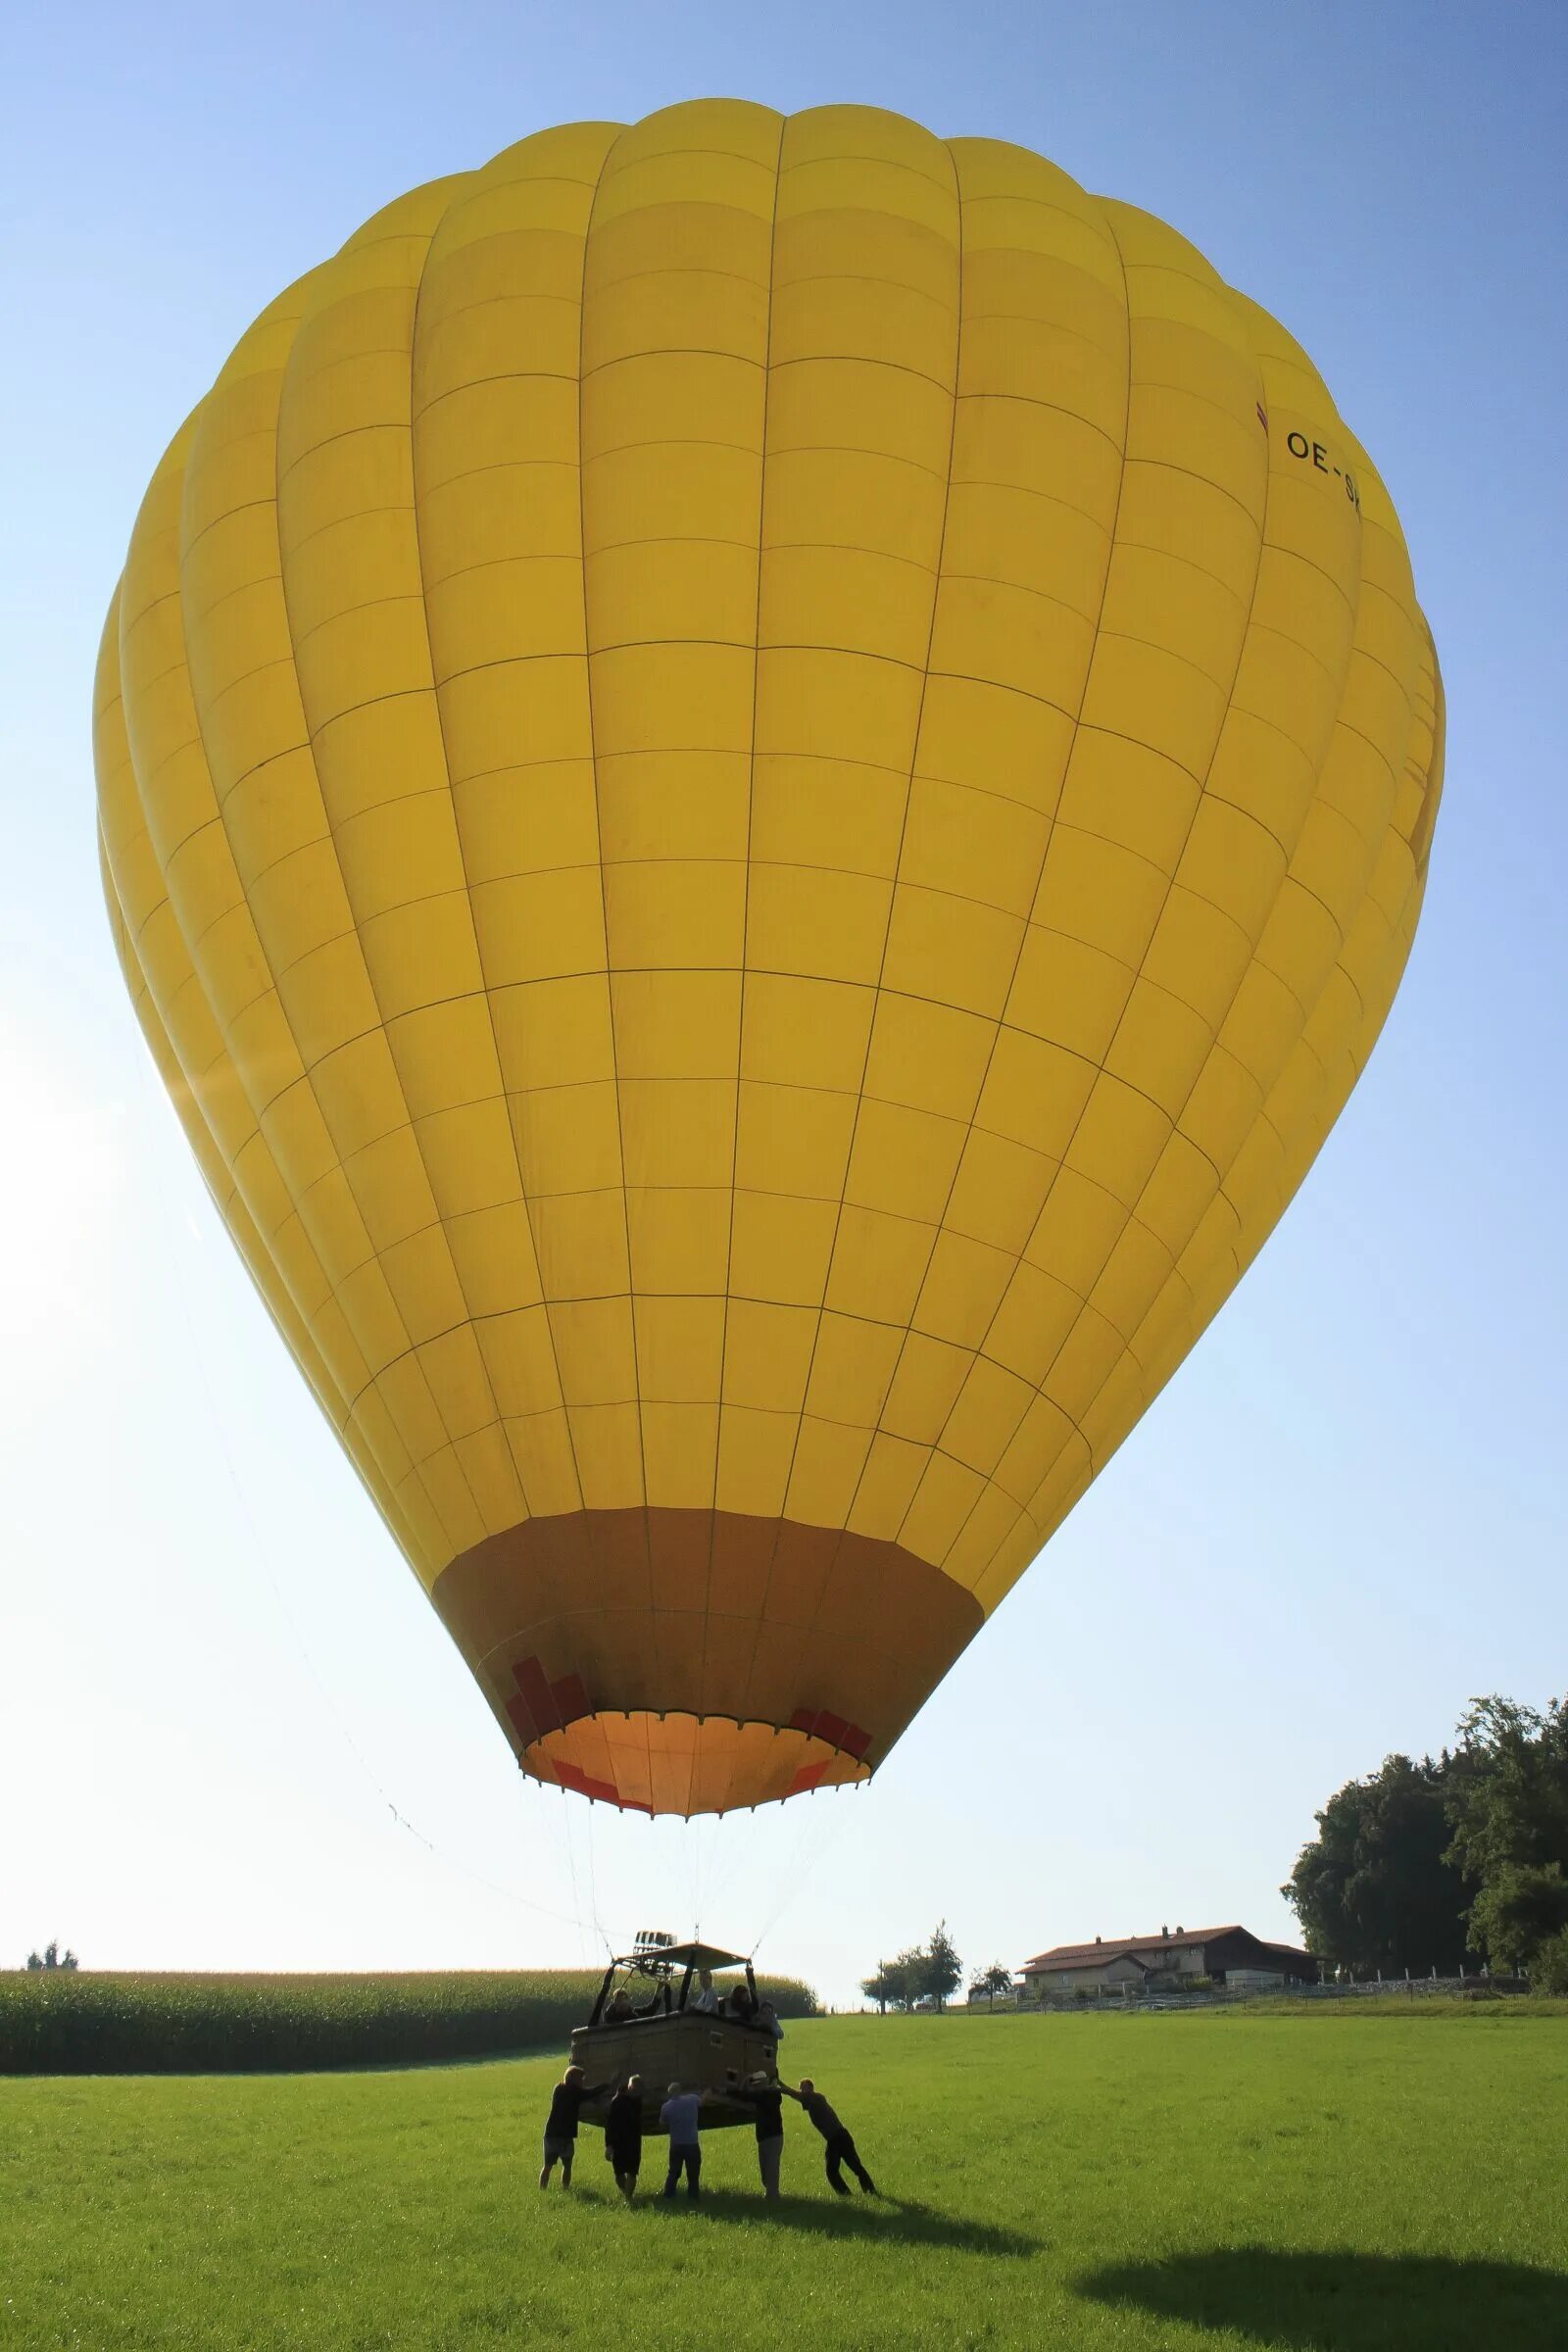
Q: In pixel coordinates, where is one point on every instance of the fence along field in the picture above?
(79, 2021)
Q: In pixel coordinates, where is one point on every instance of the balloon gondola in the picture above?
(763, 782)
(663, 2039)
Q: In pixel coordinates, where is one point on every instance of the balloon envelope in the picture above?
(763, 782)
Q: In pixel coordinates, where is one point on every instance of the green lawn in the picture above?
(1359, 2183)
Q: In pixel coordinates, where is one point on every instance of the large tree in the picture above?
(989, 1981)
(943, 1973)
(888, 1984)
(1423, 1864)
(925, 1970)
(1377, 1887)
(1507, 1799)
(898, 1984)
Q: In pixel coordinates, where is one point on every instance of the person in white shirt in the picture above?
(681, 2117)
(705, 1998)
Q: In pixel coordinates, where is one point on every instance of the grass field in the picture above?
(1351, 2184)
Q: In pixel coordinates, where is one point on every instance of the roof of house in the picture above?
(1119, 1947)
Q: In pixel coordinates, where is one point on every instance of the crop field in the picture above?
(80, 2022)
(1362, 2184)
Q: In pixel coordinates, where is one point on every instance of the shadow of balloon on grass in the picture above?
(889, 2218)
(1346, 2302)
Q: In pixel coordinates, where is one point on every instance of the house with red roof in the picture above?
(1228, 1956)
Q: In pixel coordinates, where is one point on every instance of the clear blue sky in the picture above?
(1347, 1514)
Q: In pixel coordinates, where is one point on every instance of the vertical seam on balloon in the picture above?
(188, 1109)
(417, 1468)
(1243, 1226)
(1125, 1350)
(390, 1510)
(1373, 1011)
(134, 940)
(452, 1441)
(225, 1055)
(887, 934)
(1066, 769)
(744, 1694)
(940, 1223)
(1132, 1217)
(192, 1109)
(1432, 782)
(328, 1390)
(604, 897)
(497, 1420)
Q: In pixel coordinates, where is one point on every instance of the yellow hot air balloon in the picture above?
(763, 782)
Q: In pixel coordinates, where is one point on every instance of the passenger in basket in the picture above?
(768, 2018)
(705, 1998)
(620, 2011)
(681, 2117)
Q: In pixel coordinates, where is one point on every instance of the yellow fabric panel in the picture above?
(270, 818)
(775, 775)
(265, 1256)
(279, 1261)
(244, 1066)
(225, 1191)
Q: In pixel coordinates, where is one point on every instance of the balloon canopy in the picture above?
(763, 782)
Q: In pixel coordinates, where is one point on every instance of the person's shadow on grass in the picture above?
(1346, 2302)
(861, 2216)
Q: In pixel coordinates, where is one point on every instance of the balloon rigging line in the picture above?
(690, 1848)
(702, 1828)
(593, 1888)
(699, 1829)
(794, 1880)
(259, 1549)
(571, 1864)
(724, 1853)
(696, 1830)
(704, 1881)
(478, 1877)
(700, 1850)
(787, 1878)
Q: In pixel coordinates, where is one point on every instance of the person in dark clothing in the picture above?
(768, 2100)
(624, 2134)
(740, 2006)
(840, 2147)
(561, 2130)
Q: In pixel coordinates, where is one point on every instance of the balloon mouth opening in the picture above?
(686, 1764)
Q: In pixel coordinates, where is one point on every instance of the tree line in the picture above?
(925, 1972)
(50, 1957)
(1448, 1863)
(931, 1972)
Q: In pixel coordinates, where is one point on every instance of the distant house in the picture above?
(1228, 1956)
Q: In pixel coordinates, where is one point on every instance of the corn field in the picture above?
(80, 2023)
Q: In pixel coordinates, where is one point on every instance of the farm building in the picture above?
(1223, 1955)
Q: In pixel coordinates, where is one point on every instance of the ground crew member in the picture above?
(840, 2147)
